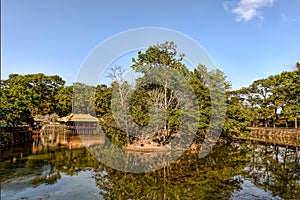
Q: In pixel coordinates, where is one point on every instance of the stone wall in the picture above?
(281, 136)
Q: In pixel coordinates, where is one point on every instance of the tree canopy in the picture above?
(272, 101)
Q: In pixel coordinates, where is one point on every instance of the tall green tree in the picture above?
(15, 104)
(156, 62)
(24, 96)
(291, 92)
(44, 89)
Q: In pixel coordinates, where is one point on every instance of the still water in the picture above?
(239, 170)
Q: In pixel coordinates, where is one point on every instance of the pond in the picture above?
(238, 170)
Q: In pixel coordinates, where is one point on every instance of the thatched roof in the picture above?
(78, 118)
(36, 119)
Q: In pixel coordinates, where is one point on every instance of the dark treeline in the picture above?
(274, 101)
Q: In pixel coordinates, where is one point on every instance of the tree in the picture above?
(274, 101)
(25, 96)
(64, 101)
(237, 115)
(15, 104)
(102, 100)
(156, 64)
(43, 89)
(291, 90)
(83, 98)
(120, 95)
(199, 80)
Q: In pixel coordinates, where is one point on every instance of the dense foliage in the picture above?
(272, 101)
(25, 96)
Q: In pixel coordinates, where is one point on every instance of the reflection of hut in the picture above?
(79, 122)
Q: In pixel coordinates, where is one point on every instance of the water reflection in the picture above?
(230, 171)
(274, 168)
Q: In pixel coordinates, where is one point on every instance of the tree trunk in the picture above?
(266, 123)
(296, 124)
(166, 104)
(127, 135)
(276, 118)
(166, 109)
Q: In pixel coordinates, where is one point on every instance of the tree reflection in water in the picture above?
(274, 168)
(217, 176)
(189, 177)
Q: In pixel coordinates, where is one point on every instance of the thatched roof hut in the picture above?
(78, 118)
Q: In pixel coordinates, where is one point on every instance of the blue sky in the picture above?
(247, 39)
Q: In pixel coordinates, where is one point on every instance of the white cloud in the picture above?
(285, 19)
(248, 9)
